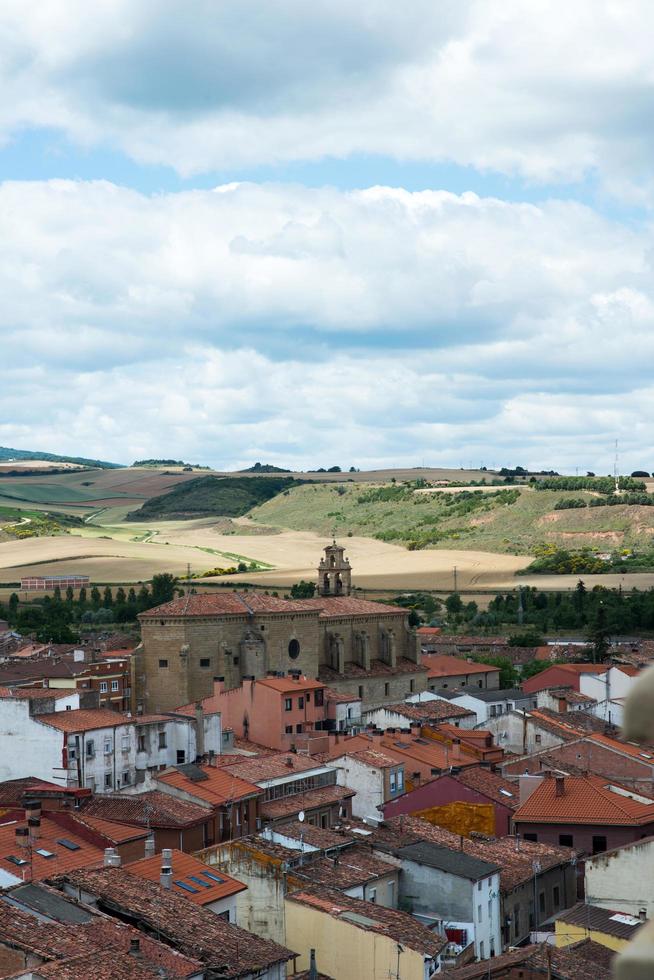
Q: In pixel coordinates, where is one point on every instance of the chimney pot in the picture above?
(166, 876)
(149, 847)
(560, 786)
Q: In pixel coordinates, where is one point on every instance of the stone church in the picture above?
(353, 645)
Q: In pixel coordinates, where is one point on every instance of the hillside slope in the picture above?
(10, 454)
(209, 496)
(503, 521)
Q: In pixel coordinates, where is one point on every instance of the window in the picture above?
(125, 743)
(480, 683)
(288, 704)
(599, 844)
(442, 685)
(541, 903)
(516, 921)
(319, 698)
(114, 685)
(300, 702)
(361, 691)
(387, 689)
(479, 913)
(103, 687)
(493, 711)
(298, 729)
(565, 840)
(556, 897)
(181, 757)
(72, 753)
(124, 777)
(162, 740)
(393, 782)
(90, 749)
(289, 730)
(108, 781)
(531, 837)
(372, 897)
(205, 662)
(400, 780)
(490, 909)
(412, 685)
(538, 738)
(163, 663)
(89, 782)
(481, 950)
(294, 649)
(141, 743)
(107, 746)
(391, 894)
(479, 886)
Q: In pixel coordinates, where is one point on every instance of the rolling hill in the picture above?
(211, 496)
(14, 454)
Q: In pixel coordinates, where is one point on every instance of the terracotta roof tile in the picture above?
(443, 665)
(399, 926)
(611, 922)
(219, 787)
(371, 757)
(579, 961)
(84, 719)
(341, 697)
(184, 866)
(225, 604)
(434, 710)
(261, 768)
(23, 693)
(516, 865)
(152, 808)
(353, 867)
(491, 784)
(195, 931)
(288, 806)
(56, 857)
(585, 799)
(289, 684)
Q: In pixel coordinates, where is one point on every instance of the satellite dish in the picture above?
(300, 816)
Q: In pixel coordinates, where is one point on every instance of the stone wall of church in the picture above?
(377, 634)
(182, 656)
(383, 689)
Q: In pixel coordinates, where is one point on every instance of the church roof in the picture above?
(244, 604)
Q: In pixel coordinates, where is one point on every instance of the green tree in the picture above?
(143, 599)
(303, 590)
(107, 598)
(56, 595)
(453, 604)
(509, 676)
(598, 635)
(70, 595)
(81, 599)
(163, 588)
(95, 597)
(121, 598)
(13, 607)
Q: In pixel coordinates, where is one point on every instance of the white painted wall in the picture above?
(383, 718)
(510, 730)
(28, 748)
(368, 782)
(623, 879)
(604, 688)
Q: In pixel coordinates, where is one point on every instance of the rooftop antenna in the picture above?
(188, 577)
(615, 469)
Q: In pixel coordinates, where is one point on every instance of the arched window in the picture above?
(294, 649)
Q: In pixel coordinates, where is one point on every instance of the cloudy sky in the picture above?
(323, 233)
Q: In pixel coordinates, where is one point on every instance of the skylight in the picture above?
(198, 881)
(16, 860)
(505, 792)
(68, 844)
(44, 854)
(187, 888)
(213, 876)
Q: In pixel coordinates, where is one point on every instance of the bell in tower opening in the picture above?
(334, 572)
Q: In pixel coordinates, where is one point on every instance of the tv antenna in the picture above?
(616, 478)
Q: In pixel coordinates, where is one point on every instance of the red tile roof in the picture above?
(585, 799)
(433, 710)
(261, 768)
(341, 697)
(491, 784)
(246, 604)
(443, 665)
(23, 693)
(225, 948)
(40, 866)
(188, 870)
(152, 808)
(352, 867)
(398, 926)
(84, 719)
(221, 785)
(371, 757)
(289, 806)
(288, 684)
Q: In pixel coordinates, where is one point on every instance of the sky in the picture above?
(327, 233)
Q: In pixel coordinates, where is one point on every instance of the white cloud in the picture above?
(545, 90)
(313, 327)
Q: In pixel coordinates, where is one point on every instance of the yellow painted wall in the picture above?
(565, 934)
(343, 950)
(462, 818)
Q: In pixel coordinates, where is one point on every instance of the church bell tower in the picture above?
(334, 572)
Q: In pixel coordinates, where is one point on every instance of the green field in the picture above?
(477, 523)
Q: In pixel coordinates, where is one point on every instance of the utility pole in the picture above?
(454, 573)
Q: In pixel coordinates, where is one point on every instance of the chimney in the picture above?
(560, 786)
(111, 858)
(313, 971)
(166, 876)
(149, 847)
(415, 779)
(642, 915)
(455, 751)
(22, 839)
(134, 947)
(416, 729)
(199, 728)
(33, 817)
